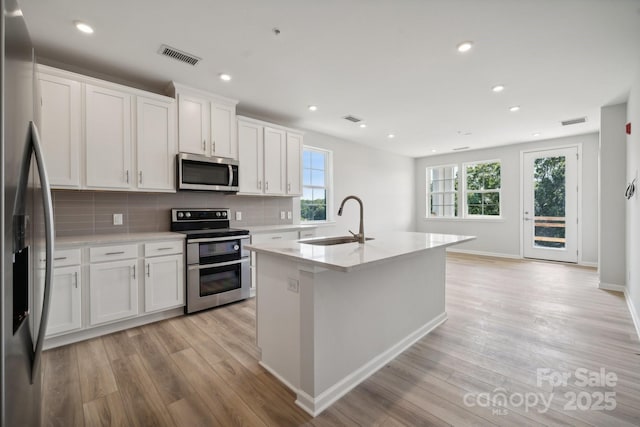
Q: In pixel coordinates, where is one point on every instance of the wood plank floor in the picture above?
(506, 320)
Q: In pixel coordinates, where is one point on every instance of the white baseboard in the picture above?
(611, 287)
(634, 314)
(483, 253)
(588, 264)
(315, 405)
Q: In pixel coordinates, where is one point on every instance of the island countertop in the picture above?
(352, 256)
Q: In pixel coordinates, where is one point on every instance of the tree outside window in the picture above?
(315, 184)
(482, 189)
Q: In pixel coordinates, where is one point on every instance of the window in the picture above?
(482, 189)
(316, 185)
(442, 191)
(474, 195)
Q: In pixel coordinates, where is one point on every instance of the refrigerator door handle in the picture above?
(49, 234)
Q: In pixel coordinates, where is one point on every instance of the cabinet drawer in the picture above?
(274, 237)
(164, 248)
(62, 258)
(305, 234)
(113, 253)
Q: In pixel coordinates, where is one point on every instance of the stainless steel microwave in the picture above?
(207, 173)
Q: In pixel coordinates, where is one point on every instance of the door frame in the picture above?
(545, 147)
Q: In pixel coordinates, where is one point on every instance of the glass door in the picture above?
(550, 205)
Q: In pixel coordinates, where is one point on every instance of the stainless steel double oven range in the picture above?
(217, 262)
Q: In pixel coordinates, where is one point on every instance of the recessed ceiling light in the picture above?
(434, 151)
(313, 107)
(497, 88)
(465, 46)
(363, 125)
(225, 77)
(514, 108)
(391, 136)
(536, 134)
(85, 28)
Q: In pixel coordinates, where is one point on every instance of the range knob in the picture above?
(224, 214)
(236, 247)
(188, 214)
(180, 214)
(218, 214)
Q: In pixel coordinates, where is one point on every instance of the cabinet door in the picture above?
(163, 282)
(60, 129)
(65, 312)
(156, 145)
(274, 160)
(113, 291)
(193, 125)
(223, 120)
(294, 164)
(250, 157)
(108, 138)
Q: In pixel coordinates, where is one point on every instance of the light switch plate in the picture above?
(293, 285)
(289, 216)
(238, 216)
(117, 219)
(282, 214)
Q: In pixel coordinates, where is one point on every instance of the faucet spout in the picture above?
(360, 235)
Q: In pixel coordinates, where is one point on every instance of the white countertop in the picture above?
(351, 256)
(98, 239)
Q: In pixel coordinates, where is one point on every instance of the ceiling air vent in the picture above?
(460, 148)
(352, 119)
(179, 55)
(574, 121)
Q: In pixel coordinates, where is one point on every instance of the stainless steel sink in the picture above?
(332, 240)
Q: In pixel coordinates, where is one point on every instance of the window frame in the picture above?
(328, 187)
(465, 191)
(429, 192)
(462, 193)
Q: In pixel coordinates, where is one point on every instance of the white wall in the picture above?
(612, 202)
(502, 237)
(633, 205)
(384, 181)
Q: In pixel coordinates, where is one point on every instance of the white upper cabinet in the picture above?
(155, 144)
(270, 158)
(275, 146)
(223, 125)
(108, 138)
(60, 129)
(294, 164)
(104, 136)
(193, 124)
(250, 157)
(206, 123)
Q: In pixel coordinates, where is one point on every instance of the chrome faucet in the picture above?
(360, 235)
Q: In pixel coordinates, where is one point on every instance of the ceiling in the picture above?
(392, 63)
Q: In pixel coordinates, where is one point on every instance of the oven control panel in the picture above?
(182, 215)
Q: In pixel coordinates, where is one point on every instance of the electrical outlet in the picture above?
(282, 214)
(117, 219)
(238, 216)
(293, 285)
(289, 215)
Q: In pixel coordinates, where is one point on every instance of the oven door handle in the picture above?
(219, 264)
(218, 239)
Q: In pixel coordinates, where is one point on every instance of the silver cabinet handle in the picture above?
(140, 173)
(213, 146)
(76, 278)
(149, 270)
(127, 173)
(276, 237)
(115, 253)
(60, 258)
(266, 185)
(289, 187)
(134, 271)
(163, 249)
(259, 185)
(204, 145)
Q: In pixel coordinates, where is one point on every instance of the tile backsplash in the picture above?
(91, 212)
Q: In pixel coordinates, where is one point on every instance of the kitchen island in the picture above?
(328, 316)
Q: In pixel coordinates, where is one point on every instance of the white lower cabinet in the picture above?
(163, 282)
(113, 291)
(65, 313)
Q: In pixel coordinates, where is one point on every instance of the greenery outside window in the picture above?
(442, 191)
(316, 185)
(482, 189)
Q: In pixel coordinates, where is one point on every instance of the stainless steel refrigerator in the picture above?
(26, 227)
